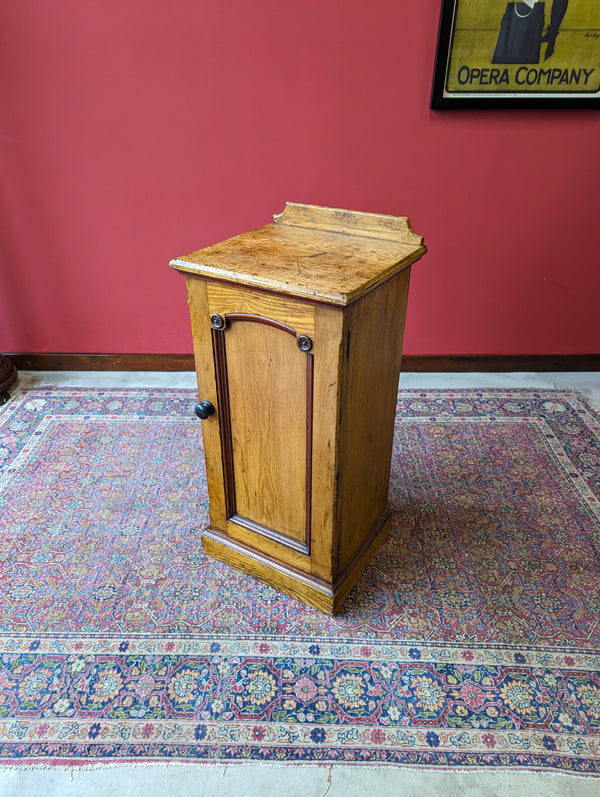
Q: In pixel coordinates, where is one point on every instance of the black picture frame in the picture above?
(508, 83)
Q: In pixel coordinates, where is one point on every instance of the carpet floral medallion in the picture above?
(472, 640)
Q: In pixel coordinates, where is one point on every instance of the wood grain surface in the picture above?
(335, 264)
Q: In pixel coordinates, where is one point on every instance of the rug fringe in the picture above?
(293, 765)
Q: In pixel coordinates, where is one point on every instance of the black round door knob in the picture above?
(204, 410)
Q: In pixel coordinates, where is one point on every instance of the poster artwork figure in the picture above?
(521, 31)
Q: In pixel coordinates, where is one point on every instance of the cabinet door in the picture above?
(262, 349)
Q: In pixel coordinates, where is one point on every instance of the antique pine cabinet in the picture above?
(297, 330)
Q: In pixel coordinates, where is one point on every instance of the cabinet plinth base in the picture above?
(315, 592)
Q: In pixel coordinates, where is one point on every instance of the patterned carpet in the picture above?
(473, 639)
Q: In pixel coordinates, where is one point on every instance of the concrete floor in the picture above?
(252, 780)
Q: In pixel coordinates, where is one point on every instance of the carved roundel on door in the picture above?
(305, 343)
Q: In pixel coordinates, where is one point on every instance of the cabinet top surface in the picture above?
(322, 254)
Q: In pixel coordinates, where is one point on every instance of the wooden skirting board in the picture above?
(411, 362)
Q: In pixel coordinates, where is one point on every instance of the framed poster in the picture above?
(532, 54)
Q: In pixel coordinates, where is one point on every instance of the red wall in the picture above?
(133, 131)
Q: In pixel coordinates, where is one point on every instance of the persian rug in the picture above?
(472, 640)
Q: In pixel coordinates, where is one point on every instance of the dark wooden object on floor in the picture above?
(297, 330)
(8, 376)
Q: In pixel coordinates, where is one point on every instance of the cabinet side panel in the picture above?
(373, 336)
